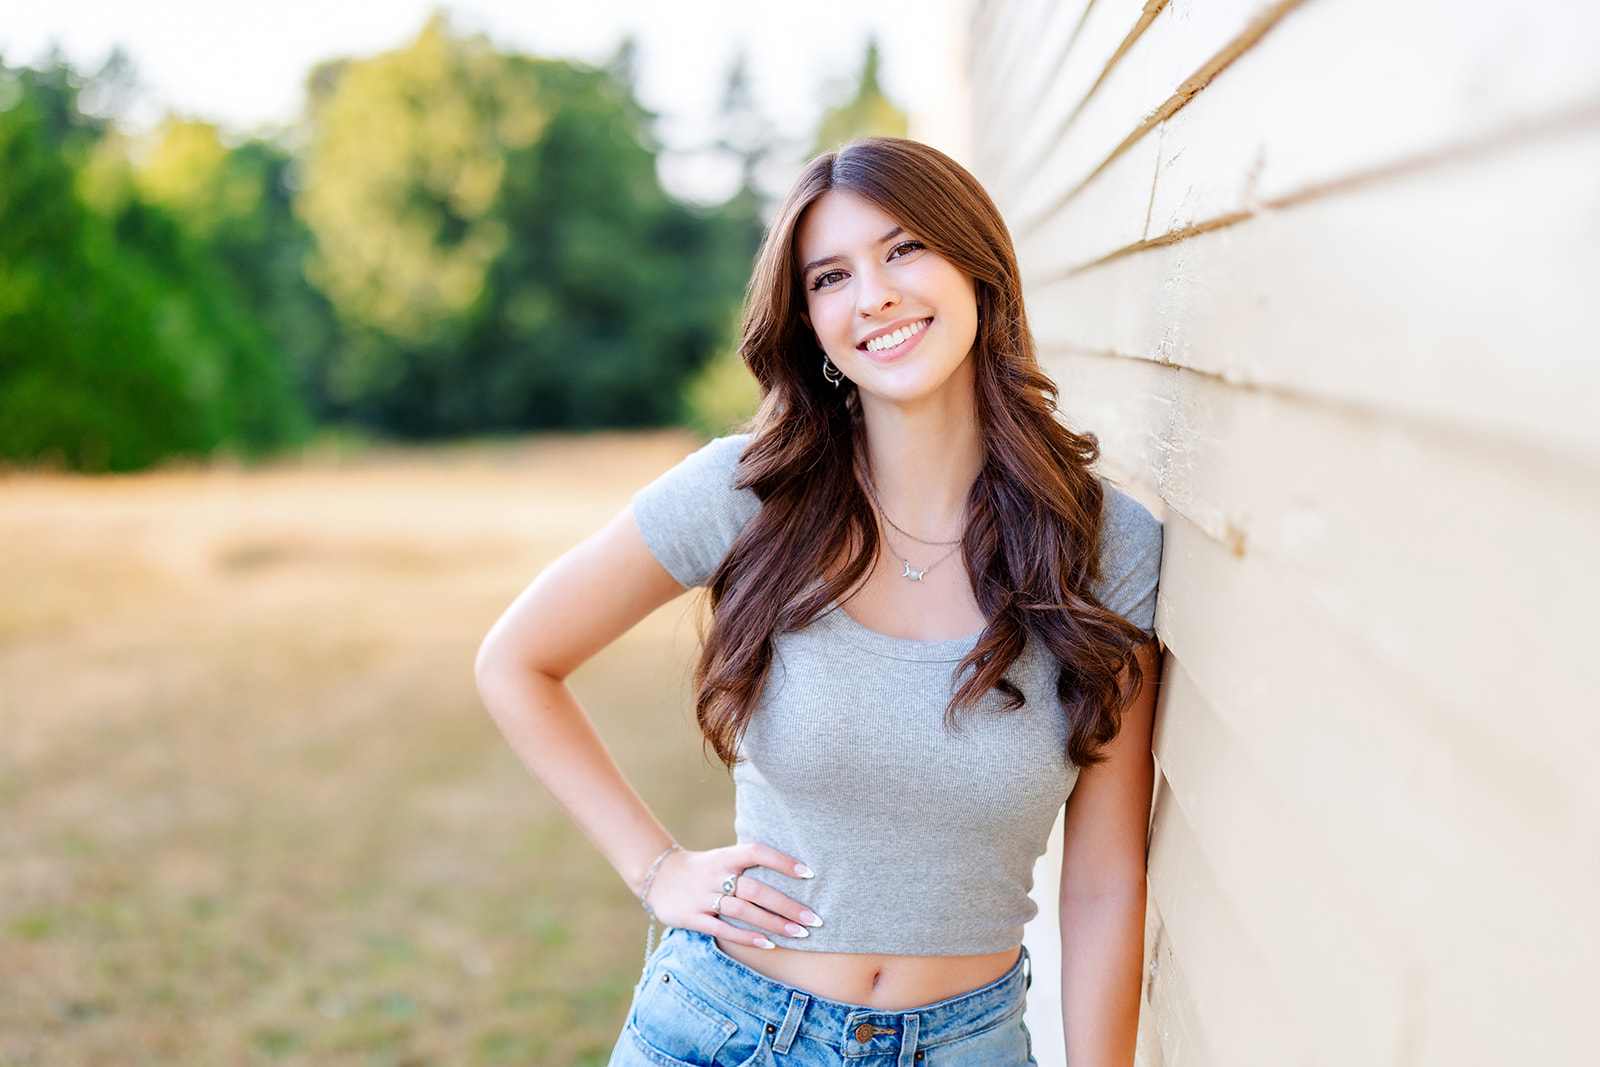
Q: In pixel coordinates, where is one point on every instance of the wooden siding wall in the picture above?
(1323, 275)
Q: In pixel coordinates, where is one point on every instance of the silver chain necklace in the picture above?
(911, 573)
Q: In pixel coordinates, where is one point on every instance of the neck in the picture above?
(923, 463)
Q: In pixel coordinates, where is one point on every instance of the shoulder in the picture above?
(1126, 526)
(690, 515)
(710, 467)
(720, 454)
(1130, 557)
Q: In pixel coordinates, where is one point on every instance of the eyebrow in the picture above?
(825, 260)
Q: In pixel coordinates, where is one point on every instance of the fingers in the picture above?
(768, 899)
(773, 922)
(770, 909)
(690, 891)
(769, 857)
(728, 932)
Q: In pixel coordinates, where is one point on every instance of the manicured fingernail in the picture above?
(762, 942)
(802, 871)
(795, 930)
(809, 917)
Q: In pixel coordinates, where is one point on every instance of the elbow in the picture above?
(483, 666)
(490, 669)
(1131, 889)
(1110, 883)
(509, 681)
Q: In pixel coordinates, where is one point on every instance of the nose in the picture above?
(875, 292)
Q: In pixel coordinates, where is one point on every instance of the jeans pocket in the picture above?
(675, 1025)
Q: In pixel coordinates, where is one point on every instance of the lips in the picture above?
(889, 339)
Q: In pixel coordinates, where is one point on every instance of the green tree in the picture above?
(869, 113)
(119, 342)
(491, 230)
(237, 203)
(403, 180)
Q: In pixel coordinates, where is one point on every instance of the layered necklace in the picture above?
(911, 573)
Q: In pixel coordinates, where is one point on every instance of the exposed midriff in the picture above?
(873, 980)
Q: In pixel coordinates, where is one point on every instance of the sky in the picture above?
(243, 65)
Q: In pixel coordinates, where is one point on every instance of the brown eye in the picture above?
(826, 278)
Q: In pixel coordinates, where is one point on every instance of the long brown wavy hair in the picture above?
(1033, 514)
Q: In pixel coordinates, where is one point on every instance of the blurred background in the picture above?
(447, 234)
(324, 327)
(322, 330)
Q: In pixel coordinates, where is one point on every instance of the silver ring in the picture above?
(716, 905)
(729, 886)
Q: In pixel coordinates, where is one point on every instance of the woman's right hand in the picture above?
(687, 893)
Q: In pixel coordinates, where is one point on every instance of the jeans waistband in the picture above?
(853, 1029)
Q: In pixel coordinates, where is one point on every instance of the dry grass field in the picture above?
(250, 808)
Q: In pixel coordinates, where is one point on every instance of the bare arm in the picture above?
(1103, 888)
(580, 604)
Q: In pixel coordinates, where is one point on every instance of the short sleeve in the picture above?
(690, 515)
(1130, 559)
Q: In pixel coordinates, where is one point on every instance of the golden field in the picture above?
(251, 810)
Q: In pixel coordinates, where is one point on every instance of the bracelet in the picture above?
(650, 876)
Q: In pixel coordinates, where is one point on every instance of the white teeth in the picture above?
(899, 337)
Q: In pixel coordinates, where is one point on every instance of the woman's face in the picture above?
(896, 317)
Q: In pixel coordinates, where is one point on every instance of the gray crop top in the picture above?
(923, 839)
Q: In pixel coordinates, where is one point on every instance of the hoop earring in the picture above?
(831, 374)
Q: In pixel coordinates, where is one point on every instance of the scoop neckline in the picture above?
(952, 649)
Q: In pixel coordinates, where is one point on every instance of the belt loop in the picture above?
(791, 1021)
(909, 1025)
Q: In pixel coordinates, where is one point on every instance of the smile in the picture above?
(897, 338)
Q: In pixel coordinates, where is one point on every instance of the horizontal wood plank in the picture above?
(1240, 1019)
(1056, 35)
(1493, 918)
(1376, 522)
(1181, 51)
(1358, 86)
(1107, 31)
(1169, 1033)
(1335, 979)
(1044, 30)
(1287, 121)
(1005, 48)
(1371, 299)
(1325, 307)
(1110, 214)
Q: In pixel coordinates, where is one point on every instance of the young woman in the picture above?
(930, 629)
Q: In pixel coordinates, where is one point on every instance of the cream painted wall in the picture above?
(1320, 273)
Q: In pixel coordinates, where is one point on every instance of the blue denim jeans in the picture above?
(696, 1006)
